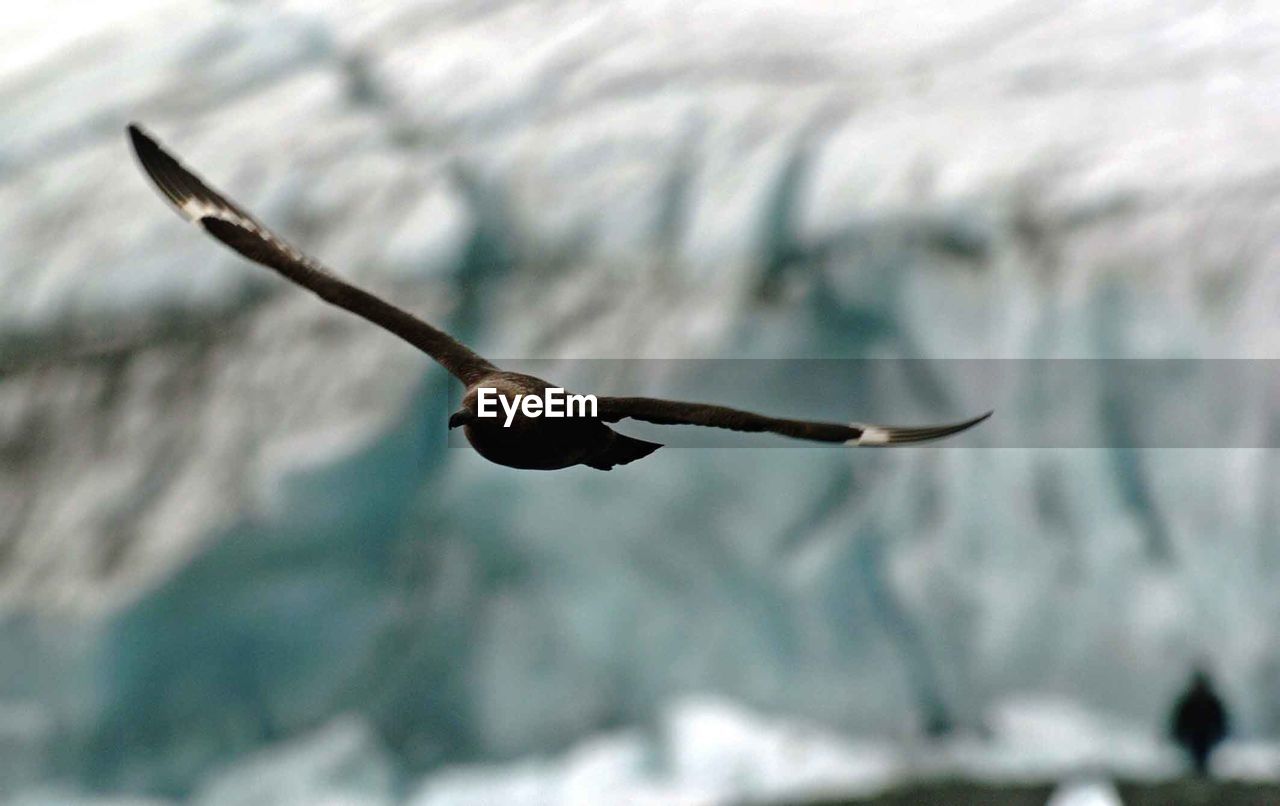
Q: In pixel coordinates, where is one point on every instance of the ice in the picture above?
(706, 751)
(229, 514)
(341, 764)
(1085, 793)
(63, 796)
(1045, 737)
(1247, 760)
(602, 769)
(709, 750)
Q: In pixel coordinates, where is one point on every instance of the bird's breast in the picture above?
(537, 443)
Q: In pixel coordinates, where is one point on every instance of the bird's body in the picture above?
(542, 443)
(520, 440)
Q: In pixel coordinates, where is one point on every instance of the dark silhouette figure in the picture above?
(1199, 721)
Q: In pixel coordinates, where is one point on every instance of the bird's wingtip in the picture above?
(967, 424)
(139, 138)
(886, 435)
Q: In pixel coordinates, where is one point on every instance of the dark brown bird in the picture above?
(533, 442)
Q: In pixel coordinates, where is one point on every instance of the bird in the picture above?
(1199, 721)
(523, 440)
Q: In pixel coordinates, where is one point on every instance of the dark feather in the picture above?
(234, 226)
(672, 412)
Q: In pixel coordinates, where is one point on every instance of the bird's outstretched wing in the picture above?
(235, 227)
(672, 412)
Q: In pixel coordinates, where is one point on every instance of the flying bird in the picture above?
(531, 442)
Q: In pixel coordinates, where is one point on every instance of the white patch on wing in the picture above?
(871, 435)
(197, 209)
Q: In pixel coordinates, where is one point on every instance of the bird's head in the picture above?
(463, 416)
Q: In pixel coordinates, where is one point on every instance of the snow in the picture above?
(1085, 793)
(707, 751)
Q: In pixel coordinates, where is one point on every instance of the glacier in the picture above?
(232, 531)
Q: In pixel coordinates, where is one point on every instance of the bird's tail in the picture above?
(622, 450)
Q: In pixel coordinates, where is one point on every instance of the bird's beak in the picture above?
(459, 417)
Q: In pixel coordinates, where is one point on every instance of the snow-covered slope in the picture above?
(228, 513)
